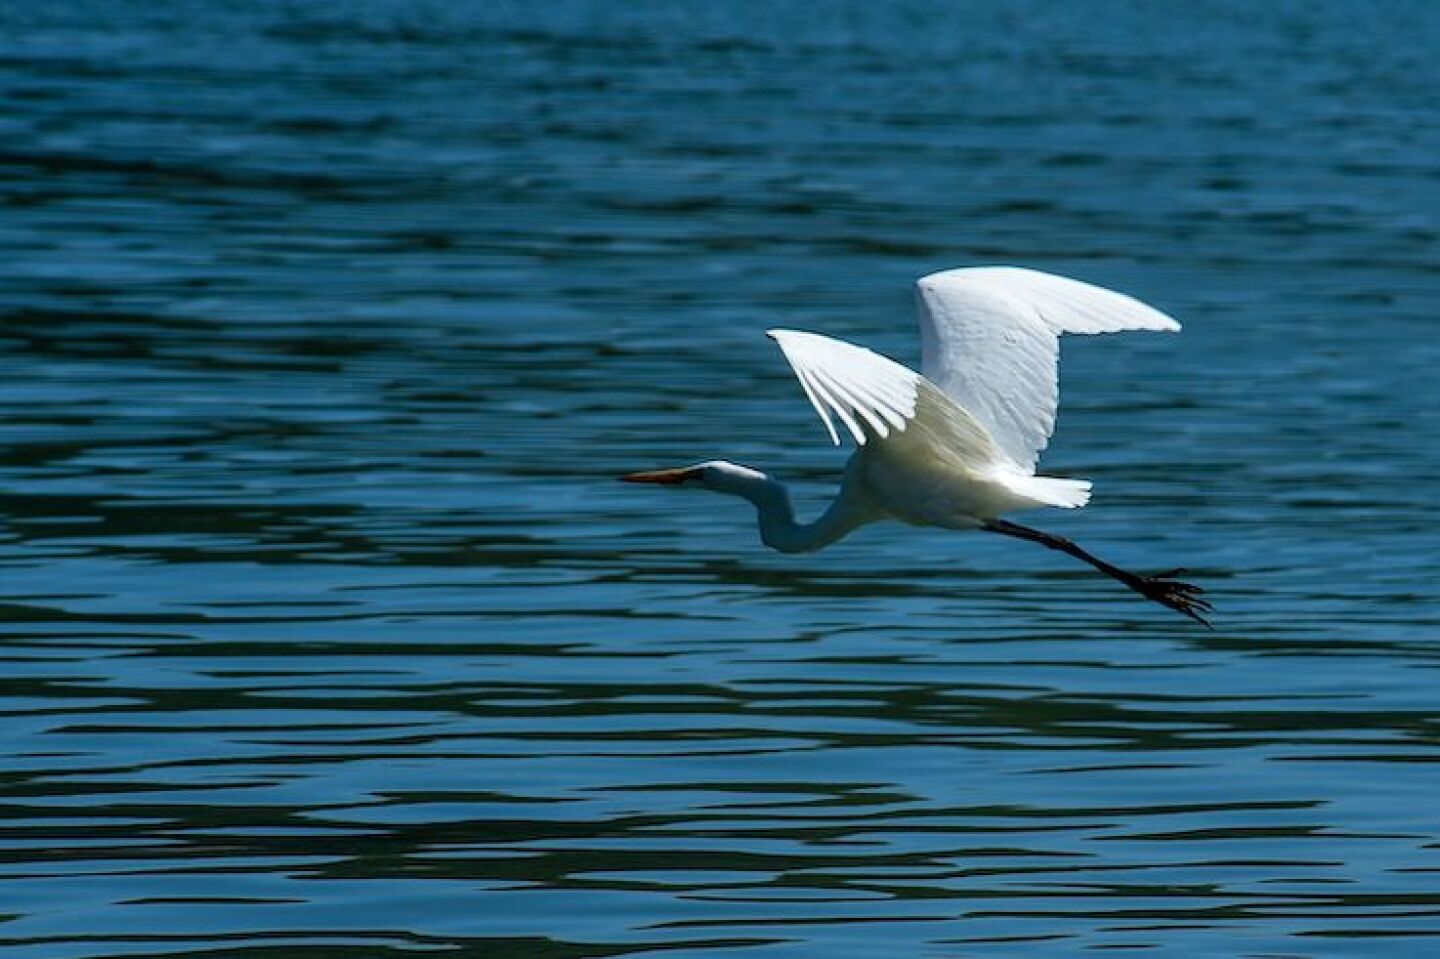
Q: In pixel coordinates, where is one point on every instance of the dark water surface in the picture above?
(327, 632)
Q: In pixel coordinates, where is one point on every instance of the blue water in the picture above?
(326, 327)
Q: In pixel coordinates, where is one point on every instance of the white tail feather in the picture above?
(1052, 491)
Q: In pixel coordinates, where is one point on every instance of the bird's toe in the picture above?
(1175, 594)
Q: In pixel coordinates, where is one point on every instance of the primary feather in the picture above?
(855, 384)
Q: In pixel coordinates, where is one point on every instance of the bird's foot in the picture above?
(1180, 596)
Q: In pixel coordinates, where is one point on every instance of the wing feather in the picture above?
(817, 402)
(839, 402)
(990, 341)
(852, 383)
(870, 398)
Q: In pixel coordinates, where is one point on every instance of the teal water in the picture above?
(326, 327)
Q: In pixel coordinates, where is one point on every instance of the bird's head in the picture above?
(718, 475)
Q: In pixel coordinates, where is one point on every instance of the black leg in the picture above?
(1162, 588)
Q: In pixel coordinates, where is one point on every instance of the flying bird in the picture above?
(956, 444)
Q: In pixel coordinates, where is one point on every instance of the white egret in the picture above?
(954, 446)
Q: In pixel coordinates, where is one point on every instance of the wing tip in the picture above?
(976, 277)
(779, 334)
(1159, 322)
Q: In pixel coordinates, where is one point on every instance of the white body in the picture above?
(941, 470)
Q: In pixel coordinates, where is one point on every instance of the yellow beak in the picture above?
(672, 477)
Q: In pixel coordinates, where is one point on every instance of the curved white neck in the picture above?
(778, 528)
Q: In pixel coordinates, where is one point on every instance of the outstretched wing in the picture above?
(859, 386)
(878, 400)
(990, 340)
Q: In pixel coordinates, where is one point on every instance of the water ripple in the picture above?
(326, 629)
